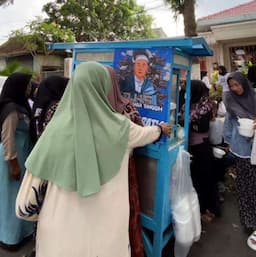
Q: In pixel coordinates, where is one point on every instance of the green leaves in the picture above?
(85, 20)
(96, 20)
(38, 33)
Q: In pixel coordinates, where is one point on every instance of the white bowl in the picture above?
(218, 153)
(246, 132)
(246, 123)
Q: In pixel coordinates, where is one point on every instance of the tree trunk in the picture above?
(189, 18)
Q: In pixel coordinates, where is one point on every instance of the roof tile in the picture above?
(239, 10)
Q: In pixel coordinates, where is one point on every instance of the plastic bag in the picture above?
(253, 153)
(185, 206)
(221, 109)
(216, 131)
(181, 183)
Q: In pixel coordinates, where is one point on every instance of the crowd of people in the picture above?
(211, 128)
(88, 144)
(67, 169)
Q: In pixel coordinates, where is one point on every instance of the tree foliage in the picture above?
(35, 36)
(187, 9)
(97, 20)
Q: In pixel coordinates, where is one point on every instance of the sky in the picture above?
(23, 11)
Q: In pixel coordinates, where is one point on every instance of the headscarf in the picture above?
(198, 90)
(49, 92)
(119, 103)
(84, 144)
(200, 103)
(33, 92)
(13, 96)
(242, 106)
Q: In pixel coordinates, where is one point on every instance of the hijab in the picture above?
(242, 106)
(13, 96)
(121, 104)
(117, 101)
(49, 92)
(198, 90)
(200, 104)
(84, 144)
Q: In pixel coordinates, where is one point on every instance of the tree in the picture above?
(187, 9)
(35, 36)
(97, 20)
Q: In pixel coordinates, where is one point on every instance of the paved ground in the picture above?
(222, 238)
(225, 236)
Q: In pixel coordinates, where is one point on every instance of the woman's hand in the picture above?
(166, 129)
(15, 171)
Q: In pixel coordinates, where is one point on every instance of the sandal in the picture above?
(206, 218)
(251, 241)
(210, 214)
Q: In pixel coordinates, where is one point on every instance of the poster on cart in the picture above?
(144, 77)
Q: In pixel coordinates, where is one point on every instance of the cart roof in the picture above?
(193, 46)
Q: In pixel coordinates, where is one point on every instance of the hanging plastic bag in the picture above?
(216, 131)
(221, 109)
(185, 206)
(253, 153)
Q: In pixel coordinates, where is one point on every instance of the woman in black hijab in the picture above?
(14, 95)
(46, 101)
(14, 148)
(202, 172)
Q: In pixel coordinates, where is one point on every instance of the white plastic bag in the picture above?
(253, 153)
(216, 131)
(185, 206)
(221, 109)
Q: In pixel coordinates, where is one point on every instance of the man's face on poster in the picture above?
(140, 69)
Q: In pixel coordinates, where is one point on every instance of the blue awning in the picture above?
(193, 46)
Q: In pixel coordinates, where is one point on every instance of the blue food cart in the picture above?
(167, 61)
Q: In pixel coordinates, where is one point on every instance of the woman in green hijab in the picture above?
(83, 155)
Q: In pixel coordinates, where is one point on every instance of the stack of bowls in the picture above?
(245, 127)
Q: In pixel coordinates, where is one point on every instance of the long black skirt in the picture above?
(203, 177)
(246, 192)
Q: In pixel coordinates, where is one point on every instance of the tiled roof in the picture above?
(12, 48)
(242, 9)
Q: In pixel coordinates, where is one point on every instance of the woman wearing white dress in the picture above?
(81, 161)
